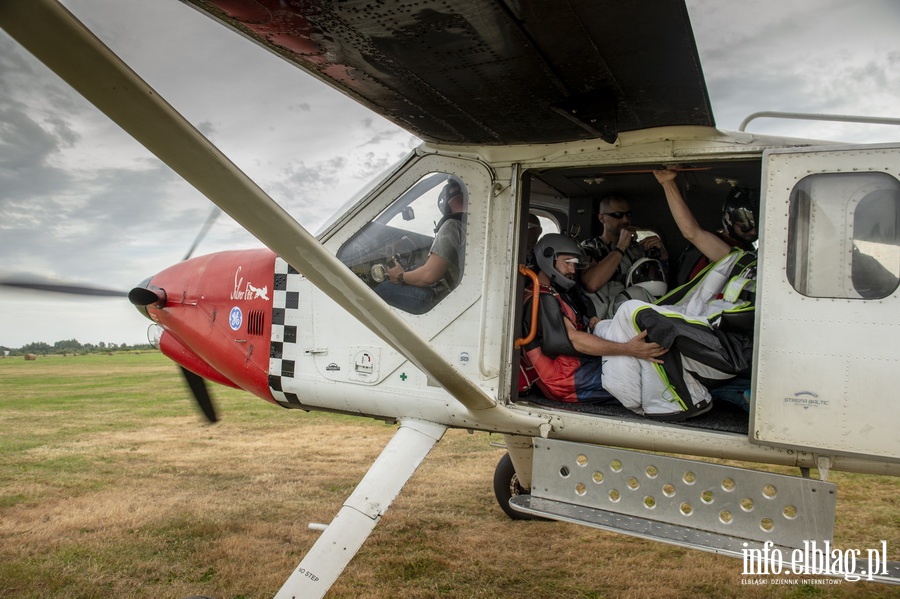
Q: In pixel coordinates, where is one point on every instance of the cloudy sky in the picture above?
(80, 200)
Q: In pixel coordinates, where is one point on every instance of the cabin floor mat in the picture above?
(723, 416)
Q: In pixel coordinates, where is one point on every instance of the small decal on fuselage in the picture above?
(247, 292)
(806, 400)
(235, 318)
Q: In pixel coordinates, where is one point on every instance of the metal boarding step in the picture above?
(759, 517)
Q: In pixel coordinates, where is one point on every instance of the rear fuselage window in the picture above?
(844, 236)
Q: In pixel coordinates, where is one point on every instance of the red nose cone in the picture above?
(218, 310)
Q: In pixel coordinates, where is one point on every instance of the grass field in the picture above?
(112, 486)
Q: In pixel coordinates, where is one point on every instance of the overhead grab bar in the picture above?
(843, 118)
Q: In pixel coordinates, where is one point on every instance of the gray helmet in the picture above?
(549, 248)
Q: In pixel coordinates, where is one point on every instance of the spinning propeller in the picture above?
(139, 296)
(200, 391)
(35, 283)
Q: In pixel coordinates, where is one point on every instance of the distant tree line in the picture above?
(69, 346)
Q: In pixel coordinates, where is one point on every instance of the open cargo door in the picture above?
(827, 366)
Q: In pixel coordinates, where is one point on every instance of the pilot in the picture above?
(565, 354)
(417, 290)
(739, 229)
(613, 253)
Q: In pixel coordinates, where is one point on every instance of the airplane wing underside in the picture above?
(493, 72)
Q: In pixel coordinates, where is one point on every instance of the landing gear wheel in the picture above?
(506, 486)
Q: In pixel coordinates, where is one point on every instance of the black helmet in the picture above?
(549, 248)
(739, 212)
(451, 188)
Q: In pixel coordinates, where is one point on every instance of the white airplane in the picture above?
(541, 107)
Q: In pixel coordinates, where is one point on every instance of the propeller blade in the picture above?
(55, 37)
(216, 211)
(69, 288)
(201, 394)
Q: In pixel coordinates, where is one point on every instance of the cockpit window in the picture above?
(413, 253)
(844, 237)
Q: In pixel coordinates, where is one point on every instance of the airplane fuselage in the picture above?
(260, 325)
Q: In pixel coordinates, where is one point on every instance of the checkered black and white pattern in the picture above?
(284, 351)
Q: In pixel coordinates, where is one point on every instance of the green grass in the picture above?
(112, 485)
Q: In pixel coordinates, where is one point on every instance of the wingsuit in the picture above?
(707, 326)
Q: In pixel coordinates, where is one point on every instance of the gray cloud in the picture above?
(801, 56)
(25, 149)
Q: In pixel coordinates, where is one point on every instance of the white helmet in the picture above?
(648, 273)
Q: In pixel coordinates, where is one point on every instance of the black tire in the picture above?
(506, 486)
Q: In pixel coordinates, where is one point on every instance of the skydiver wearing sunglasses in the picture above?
(613, 253)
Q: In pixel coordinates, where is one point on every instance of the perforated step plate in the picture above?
(732, 511)
(697, 504)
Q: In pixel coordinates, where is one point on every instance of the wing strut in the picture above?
(362, 511)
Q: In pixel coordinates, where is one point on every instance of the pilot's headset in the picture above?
(739, 211)
(549, 248)
(648, 273)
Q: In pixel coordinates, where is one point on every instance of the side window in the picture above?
(844, 236)
(413, 253)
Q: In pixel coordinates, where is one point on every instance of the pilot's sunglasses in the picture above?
(618, 215)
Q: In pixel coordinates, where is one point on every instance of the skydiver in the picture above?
(739, 227)
(739, 219)
(613, 253)
(565, 354)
